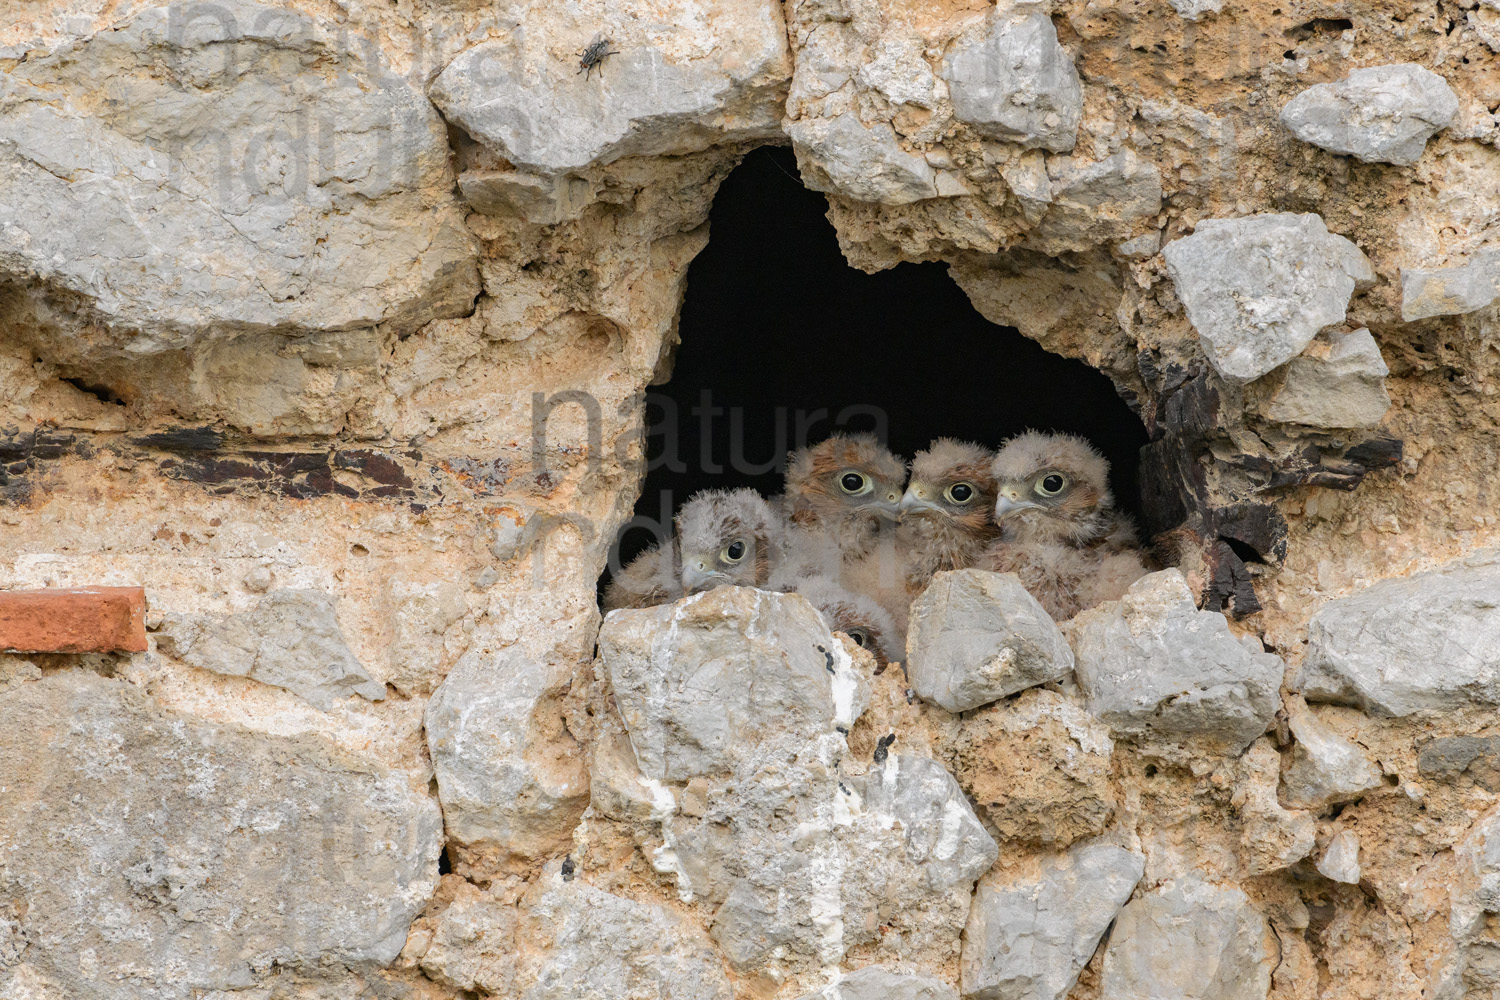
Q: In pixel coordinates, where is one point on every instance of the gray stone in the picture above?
(1258, 289)
(1474, 905)
(1379, 114)
(1340, 860)
(1338, 382)
(1028, 938)
(866, 162)
(1448, 758)
(251, 170)
(1100, 201)
(737, 702)
(509, 774)
(1451, 291)
(1189, 940)
(1272, 837)
(1140, 247)
(420, 615)
(703, 682)
(875, 983)
(1153, 663)
(1009, 79)
(1192, 10)
(1325, 769)
(571, 941)
(515, 193)
(291, 639)
(977, 637)
(672, 87)
(1427, 642)
(161, 855)
(1026, 176)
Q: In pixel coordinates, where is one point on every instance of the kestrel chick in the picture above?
(727, 538)
(722, 537)
(844, 490)
(1060, 532)
(858, 617)
(947, 513)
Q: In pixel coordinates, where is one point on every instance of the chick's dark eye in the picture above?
(1053, 484)
(860, 639)
(735, 551)
(960, 493)
(852, 482)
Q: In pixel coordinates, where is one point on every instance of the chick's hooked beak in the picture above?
(698, 573)
(1009, 502)
(915, 501)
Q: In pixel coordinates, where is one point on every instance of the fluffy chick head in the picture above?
(952, 482)
(848, 476)
(855, 615)
(726, 538)
(1052, 486)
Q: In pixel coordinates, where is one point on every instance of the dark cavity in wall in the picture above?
(783, 343)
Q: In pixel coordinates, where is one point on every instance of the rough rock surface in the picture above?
(1339, 381)
(740, 701)
(682, 77)
(976, 637)
(509, 774)
(1379, 114)
(1010, 79)
(875, 983)
(1029, 937)
(196, 202)
(291, 639)
(1323, 768)
(1273, 837)
(1451, 291)
(1259, 289)
(862, 161)
(1193, 940)
(1340, 860)
(572, 941)
(1037, 768)
(1153, 663)
(150, 853)
(1429, 642)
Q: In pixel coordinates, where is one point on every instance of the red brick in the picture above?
(81, 620)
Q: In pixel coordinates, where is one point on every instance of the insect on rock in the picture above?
(594, 55)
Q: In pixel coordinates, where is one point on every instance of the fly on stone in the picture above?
(594, 55)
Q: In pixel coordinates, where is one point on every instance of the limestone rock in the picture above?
(1028, 938)
(571, 941)
(1475, 757)
(1338, 382)
(1009, 79)
(509, 774)
(1189, 940)
(1152, 662)
(1378, 114)
(196, 204)
(1258, 289)
(842, 156)
(1037, 768)
(737, 701)
(1095, 202)
(1325, 768)
(420, 616)
(682, 78)
(875, 983)
(1340, 860)
(1192, 10)
(977, 637)
(703, 682)
(1272, 837)
(1451, 291)
(291, 639)
(195, 855)
(1474, 903)
(1427, 642)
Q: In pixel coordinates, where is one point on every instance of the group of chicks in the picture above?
(859, 533)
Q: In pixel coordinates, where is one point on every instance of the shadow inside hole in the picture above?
(783, 343)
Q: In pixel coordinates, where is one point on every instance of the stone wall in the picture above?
(329, 322)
